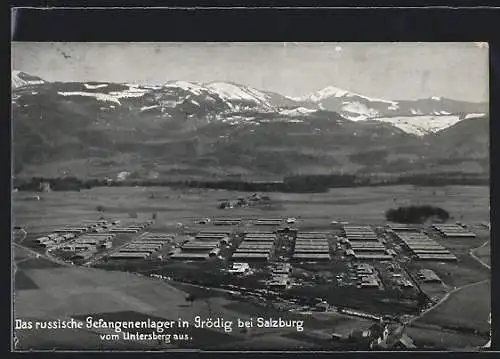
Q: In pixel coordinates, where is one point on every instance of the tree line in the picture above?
(295, 184)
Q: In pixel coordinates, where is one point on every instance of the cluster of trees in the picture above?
(56, 184)
(416, 214)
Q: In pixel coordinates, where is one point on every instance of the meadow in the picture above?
(173, 206)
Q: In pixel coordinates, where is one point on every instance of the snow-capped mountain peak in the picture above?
(187, 86)
(230, 91)
(328, 92)
(220, 101)
(335, 92)
(320, 95)
(20, 79)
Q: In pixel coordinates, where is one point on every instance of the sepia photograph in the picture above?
(250, 196)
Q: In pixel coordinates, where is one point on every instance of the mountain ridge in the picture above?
(219, 129)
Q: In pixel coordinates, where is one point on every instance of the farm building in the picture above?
(214, 252)
(211, 236)
(287, 230)
(191, 256)
(404, 283)
(137, 250)
(401, 227)
(199, 246)
(155, 244)
(310, 257)
(360, 233)
(311, 250)
(249, 256)
(76, 247)
(263, 246)
(372, 256)
(312, 246)
(154, 236)
(123, 230)
(239, 268)
(366, 245)
(391, 252)
(226, 221)
(218, 232)
(263, 236)
(364, 269)
(257, 233)
(129, 255)
(253, 250)
(259, 240)
(453, 231)
(300, 246)
(423, 247)
(100, 235)
(282, 268)
(307, 242)
(369, 281)
(221, 240)
(313, 235)
(436, 257)
(268, 222)
(349, 253)
(83, 255)
(431, 251)
(279, 282)
(428, 276)
(267, 245)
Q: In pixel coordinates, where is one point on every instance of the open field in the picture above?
(484, 254)
(73, 292)
(466, 310)
(22, 281)
(359, 205)
(435, 338)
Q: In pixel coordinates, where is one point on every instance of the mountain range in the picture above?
(184, 129)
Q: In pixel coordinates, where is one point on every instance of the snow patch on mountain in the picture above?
(332, 91)
(146, 108)
(474, 115)
(93, 87)
(323, 94)
(153, 87)
(228, 91)
(354, 117)
(20, 79)
(109, 97)
(96, 95)
(299, 111)
(436, 98)
(421, 125)
(132, 91)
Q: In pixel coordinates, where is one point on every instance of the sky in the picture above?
(396, 71)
